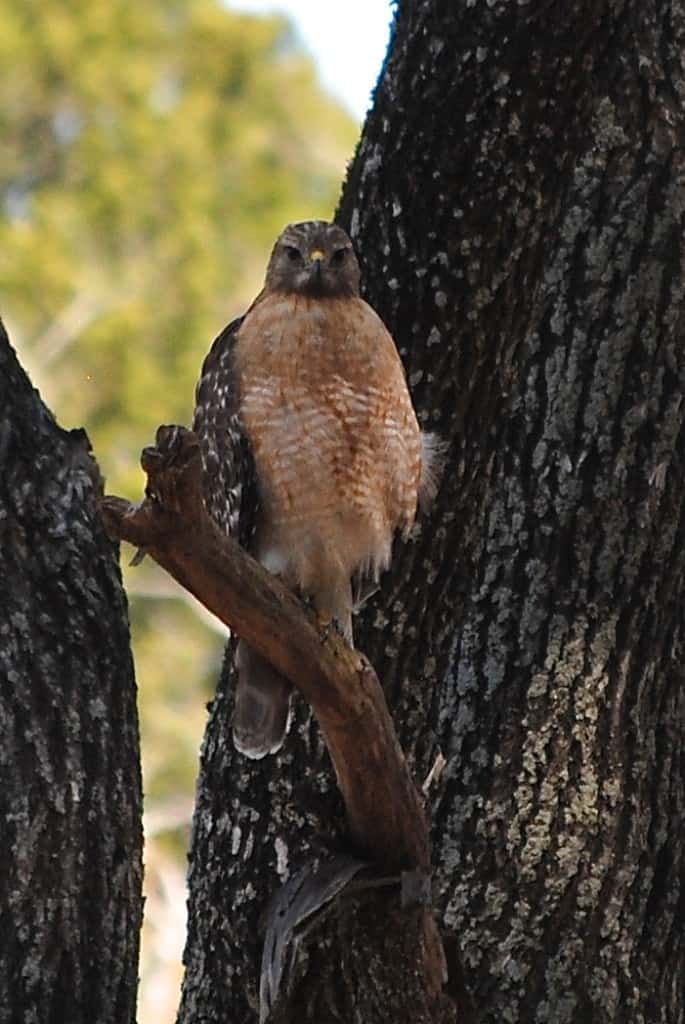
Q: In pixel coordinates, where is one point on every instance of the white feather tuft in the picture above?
(433, 458)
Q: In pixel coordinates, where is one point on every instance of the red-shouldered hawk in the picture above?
(312, 452)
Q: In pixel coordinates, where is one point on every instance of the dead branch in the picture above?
(384, 810)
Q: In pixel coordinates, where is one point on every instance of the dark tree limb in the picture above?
(71, 793)
(385, 813)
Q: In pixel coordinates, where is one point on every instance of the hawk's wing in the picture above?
(230, 484)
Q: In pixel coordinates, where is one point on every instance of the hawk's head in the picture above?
(313, 258)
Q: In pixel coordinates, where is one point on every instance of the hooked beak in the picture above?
(316, 258)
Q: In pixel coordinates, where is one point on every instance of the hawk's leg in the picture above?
(333, 604)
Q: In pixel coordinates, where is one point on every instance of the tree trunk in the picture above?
(70, 799)
(517, 204)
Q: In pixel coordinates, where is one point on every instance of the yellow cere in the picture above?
(317, 254)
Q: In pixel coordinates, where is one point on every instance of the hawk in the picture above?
(312, 454)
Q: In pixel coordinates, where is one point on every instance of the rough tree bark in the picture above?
(517, 203)
(70, 798)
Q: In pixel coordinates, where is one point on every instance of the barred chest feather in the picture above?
(336, 444)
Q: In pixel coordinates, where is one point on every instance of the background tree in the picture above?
(517, 204)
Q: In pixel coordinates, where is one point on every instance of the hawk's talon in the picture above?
(324, 628)
(139, 556)
(328, 623)
(338, 627)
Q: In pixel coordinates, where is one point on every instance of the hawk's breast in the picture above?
(336, 444)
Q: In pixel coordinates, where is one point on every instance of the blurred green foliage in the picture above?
(149, 155)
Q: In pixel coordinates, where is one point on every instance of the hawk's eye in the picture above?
(339, 255)
(293, 254)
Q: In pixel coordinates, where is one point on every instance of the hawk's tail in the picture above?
(262, 703)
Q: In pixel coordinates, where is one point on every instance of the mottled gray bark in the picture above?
(70, 798)
(517, 202)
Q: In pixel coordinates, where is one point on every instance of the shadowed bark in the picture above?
(70, 799)
(517, 205)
